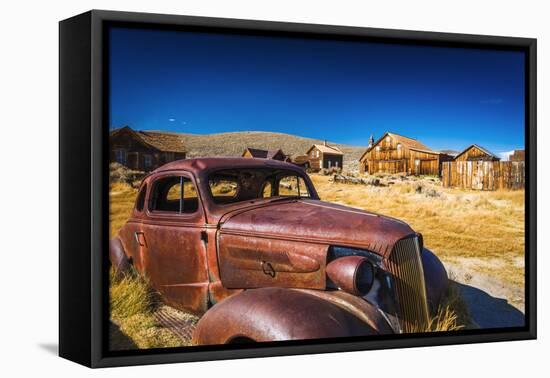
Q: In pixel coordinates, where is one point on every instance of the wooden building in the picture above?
(301, 161)
(265, 154)
(396, 154)
(144, 150)
(518, 155)
(476, 153)
(325, 156)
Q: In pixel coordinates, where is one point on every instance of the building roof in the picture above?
(486, 151)
(300, 159)
(410, 143)
(326, 149)
(517, 155)
(263, 154)
(166, 142)
(452, 153)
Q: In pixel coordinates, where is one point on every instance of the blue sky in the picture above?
(336, 90)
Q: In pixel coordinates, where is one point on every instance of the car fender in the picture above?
(435, 278)
(276, 314)
(117, 256)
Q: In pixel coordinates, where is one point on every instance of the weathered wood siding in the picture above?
(389, 156)
(324, 160)
(315, 158)
(483, 175)
(137, 155)
(474, 153)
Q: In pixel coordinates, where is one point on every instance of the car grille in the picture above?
(406, 266)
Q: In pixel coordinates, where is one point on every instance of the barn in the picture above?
(325, 156)
(394, 153)
(144, 150)
(475, 152)
(265, 154)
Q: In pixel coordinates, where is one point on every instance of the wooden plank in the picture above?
(483, 175)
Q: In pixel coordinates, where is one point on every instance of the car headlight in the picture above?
(353, 274)
(371, 281)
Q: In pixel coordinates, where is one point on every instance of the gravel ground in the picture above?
(492, 303)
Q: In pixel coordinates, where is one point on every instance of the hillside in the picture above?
(234, 143)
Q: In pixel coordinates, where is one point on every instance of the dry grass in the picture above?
(122, 198)
(452, 314)
(132, 305)
(487, 227)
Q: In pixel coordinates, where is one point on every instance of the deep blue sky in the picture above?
(340, 91)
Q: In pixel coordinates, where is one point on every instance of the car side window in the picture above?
(175, 194)
(292, 186)
(267, 190)
(140, 202)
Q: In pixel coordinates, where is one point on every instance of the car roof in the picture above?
(201, 164)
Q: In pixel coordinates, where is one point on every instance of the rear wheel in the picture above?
(117, 257)
(241, 340)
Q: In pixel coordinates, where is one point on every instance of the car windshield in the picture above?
(248, 184)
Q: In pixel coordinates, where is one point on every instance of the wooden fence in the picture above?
(483, 175)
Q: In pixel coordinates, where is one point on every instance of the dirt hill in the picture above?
(234, 143)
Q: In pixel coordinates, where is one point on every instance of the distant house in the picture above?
(325, 156)
(476, 153)
(302, 161)
(144, 150)
(394, 153)
(265, 154)
(518, 155)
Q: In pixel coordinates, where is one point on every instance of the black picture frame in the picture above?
(83, 197)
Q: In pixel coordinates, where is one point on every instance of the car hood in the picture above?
(318, 222)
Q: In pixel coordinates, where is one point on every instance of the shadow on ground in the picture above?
(490, 312)
(118, 340)
(50, 348)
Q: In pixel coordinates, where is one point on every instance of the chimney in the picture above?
(371, 141)
(325, 143)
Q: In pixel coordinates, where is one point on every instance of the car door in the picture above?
(175, 260)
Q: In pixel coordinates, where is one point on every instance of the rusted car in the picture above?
(249, 245)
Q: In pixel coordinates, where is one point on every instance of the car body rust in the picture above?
(257, 259)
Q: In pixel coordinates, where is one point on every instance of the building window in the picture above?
(120, 156)
(398, 146)
(377, 148)
(147, 161)
(317, 153)
(388, 139)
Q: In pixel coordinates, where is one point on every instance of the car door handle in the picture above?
(140, 238)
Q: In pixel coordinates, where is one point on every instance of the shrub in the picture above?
(120, 173)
